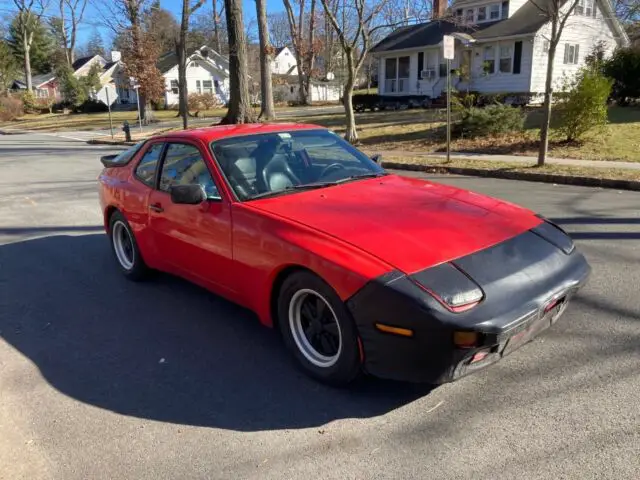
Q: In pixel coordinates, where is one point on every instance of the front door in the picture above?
(195, 240)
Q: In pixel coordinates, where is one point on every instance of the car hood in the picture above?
(409, 223)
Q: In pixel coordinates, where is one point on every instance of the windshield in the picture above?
(285, 162)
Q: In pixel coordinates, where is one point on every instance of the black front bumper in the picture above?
(520, 278)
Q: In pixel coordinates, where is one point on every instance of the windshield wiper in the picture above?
(359, 177)
(291, 189)
(315, 185)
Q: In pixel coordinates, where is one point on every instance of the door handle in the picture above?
(156, 207)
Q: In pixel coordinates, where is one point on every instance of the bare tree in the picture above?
(267, 110)
(71, 13)
(355, 46)
(556, 12)
(29, 14)
(279, 31)
(181, 51)
(239, 103)
(140, 50)
(297, 37)
(217, 45)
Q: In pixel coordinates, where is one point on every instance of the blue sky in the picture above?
(174, 6)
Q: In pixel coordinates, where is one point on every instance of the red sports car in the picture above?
(361, 270)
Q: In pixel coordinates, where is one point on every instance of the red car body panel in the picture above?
(347, 234)
(408, 223)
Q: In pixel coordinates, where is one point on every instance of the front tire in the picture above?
(125, 248)
(318, 330)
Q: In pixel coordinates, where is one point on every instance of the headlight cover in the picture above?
(449, 286)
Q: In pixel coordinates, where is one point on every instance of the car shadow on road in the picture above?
(162, 350)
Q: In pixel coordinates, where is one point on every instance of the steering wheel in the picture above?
(328, 168)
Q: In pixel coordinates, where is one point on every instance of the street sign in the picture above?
(448, 47)
(107, 97)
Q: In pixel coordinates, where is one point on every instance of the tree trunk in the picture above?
(311, 53)
(267, 110)
(351, 135)
(239, 102)
(548, 98)
(181, 50)
(27, 59)
(216, 29)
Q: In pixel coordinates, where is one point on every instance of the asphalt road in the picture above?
(101, 378)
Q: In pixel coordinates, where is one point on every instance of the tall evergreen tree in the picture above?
(95, 46)
(41, 47)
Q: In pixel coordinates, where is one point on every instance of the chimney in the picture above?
(116, 56)
(439, 9)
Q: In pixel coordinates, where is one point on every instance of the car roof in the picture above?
(209, 134)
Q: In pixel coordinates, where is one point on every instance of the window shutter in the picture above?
(420, 63)
(566, 53)
(575, 55)
(517, 57)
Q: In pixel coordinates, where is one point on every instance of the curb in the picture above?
(12, 132)
(95, 141)
(531, 177)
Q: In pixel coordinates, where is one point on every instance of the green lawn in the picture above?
(424, 131)
(89, 121)
(415, 130)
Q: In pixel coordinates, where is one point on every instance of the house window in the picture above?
(506, 57)
(571, 53)
(469, 16)
(482, 14)
(207, 86)
(216, 85)
(505, 10)
(42, 93)
(494, 11)
(588, 7)
(545, 46)
(579, 10)
(459, 13)
(489, 59)
(442, 70)
(198, 86)
(174, 87)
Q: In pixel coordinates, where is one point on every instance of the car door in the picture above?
(136, 206)
(194, 240)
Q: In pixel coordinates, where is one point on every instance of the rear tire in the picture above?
(125, 248)
(318, 330)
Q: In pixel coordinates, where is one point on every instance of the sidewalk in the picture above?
(515, 159)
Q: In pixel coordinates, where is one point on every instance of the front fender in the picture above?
(265, 244)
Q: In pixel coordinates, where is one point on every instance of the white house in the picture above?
(284, 62)
(502, 44)
(207, 72)
(286, 88)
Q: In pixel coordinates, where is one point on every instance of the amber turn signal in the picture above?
(465, 339)
(403, 332)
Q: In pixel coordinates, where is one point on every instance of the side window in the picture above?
(184, 165)
(146, 169)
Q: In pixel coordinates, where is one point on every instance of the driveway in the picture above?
(102, 378)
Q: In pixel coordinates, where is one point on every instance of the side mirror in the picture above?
(192, 194)
(377, 158)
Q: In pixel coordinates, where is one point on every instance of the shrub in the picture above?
(45, 105)
(584, 105)
(491, 120)
(624, 68)
(29, 101)
(91, 106)
(10, 108)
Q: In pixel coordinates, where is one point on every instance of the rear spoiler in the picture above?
(108, 161)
